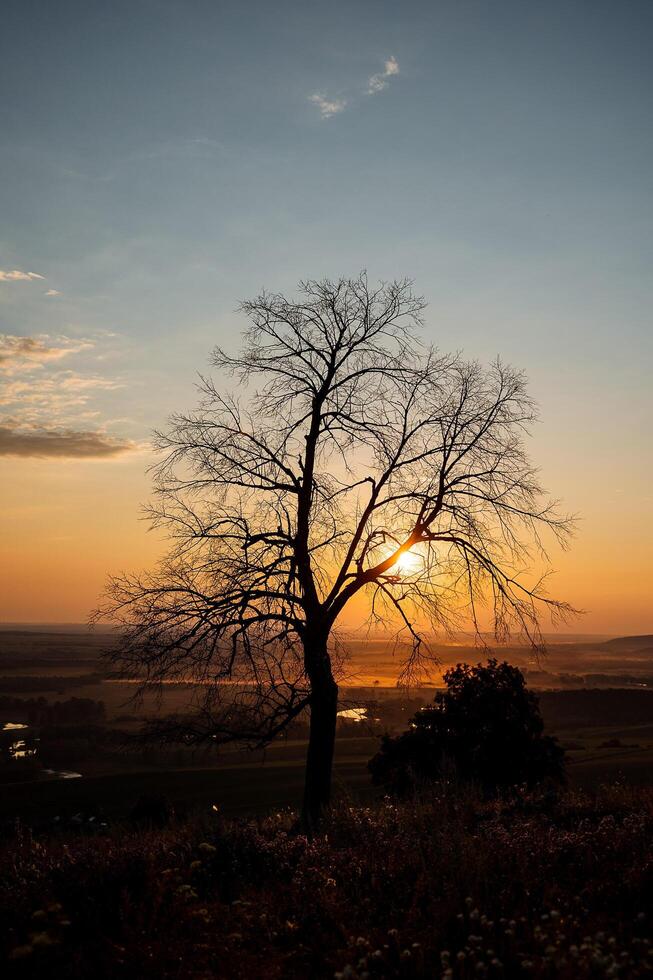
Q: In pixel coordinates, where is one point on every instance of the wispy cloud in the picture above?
(52, 292)
(39, 442)
(15, 275)
(328, 107)
(52, 396)
(53, 418)
(379, 81)
(19, 354)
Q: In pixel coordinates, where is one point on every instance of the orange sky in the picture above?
(66, 524)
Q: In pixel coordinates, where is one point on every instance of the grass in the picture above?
(243, 783)
(448, 886)
(240, 784)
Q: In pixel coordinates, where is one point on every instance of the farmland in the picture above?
(607, 730)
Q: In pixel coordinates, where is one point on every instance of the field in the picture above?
(602, 712)
(446, 886)
(191, 864)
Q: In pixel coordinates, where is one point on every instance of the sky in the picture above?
(162, 160)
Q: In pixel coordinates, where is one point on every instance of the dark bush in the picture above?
(485, 728)
(152, 811)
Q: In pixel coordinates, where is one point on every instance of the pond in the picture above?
(353, 714)
(16, 745)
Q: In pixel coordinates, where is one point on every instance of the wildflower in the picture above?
(21, 952)
(40, 939)
(185, 891)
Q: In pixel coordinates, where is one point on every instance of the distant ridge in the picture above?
(631, 643)
(55, 628)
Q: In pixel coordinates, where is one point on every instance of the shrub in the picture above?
(152, 811)
(486, 728)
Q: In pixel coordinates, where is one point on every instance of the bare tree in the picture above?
(351, 447)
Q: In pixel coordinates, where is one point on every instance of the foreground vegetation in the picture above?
(449, 886)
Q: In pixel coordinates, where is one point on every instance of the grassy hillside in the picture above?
(446, 887)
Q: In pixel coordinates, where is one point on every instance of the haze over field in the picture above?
(571, 661)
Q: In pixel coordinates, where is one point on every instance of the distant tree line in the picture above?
(50, 682)
(40, 713)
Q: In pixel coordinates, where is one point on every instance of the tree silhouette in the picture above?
(486, 727)
(347, 447)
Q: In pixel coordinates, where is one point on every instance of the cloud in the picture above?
(376, 83)
(28, 353)
(328, 107)
(52, 292)
(379, 81)
(15, 275)
(38, 442)
(52, 415)
(53, 395)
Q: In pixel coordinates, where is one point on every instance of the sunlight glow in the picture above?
(409, 563)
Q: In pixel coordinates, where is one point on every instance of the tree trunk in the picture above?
(321, 743)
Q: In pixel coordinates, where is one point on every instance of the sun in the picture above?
(408, 563)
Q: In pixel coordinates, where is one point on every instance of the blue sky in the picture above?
(162, 160)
